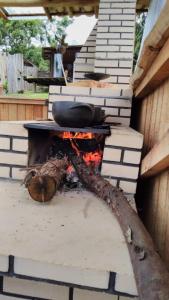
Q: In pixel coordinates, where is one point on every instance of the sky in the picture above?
(77, 32)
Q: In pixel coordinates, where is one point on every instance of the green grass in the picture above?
(30, 95)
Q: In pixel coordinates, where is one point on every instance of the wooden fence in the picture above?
(12, 109)
(152, 115)
(13, 70)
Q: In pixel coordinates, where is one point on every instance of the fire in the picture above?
(76, 135)
(91, 158)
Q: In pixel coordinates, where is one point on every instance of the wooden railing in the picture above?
(15, 109)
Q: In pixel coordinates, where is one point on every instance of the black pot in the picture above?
(73, 114)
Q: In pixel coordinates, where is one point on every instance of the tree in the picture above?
(29, 36)
(140, 22)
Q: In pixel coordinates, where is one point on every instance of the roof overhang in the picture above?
(58, 7)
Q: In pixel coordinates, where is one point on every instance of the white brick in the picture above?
(110, 11)
(101, 42)
(90, 61)
(128, 186)
(80, 60)
(84, 68)
(118, 102)
(106, 63)
(50, 116)
(13, 128)
(103, 17)
(102, 29)
(54, 89)
(90, 44)
(13, 158)
(107, 48)
(132, 157)
(123, 79)
(105, 92)
(119, 71)
(100, 55)
(101, 69)
(91, 295)
(92, 100)
(125, 137)
(75, 90)
(84, 277)
(122, 17)
(129, 11)
(91, 49)
(112, 154)
(112, 181)
(120, 42)
(126, 48)
(35, 289)
(18, 174)
(4, 172)
(125, 63)
(120, 55)
(111, 111)
(123, 121)
(127, 92)
(108, 35)
(4, 260)
(124, 5)
(54, 98)
(125, 284)
(109, 23)
(119, 171)
(121, 29)
(20, 145)
(83, 49)
(127, 35)
(128, 23)
(125, 112)
(4, 143)
(86, 55)
(105, 5)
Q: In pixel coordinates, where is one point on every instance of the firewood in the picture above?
(43, 181)
(152, 277)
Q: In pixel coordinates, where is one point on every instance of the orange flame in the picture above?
(76, 135)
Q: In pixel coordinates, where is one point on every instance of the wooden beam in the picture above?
(47, 13)
(156, 74)
(157, 160)
(3, 14)
(46, 3)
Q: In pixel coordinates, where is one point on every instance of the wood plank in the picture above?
(157, 159)
(38, 115)
(13, 100)
(156, 74)
(21, 112)
(46, 3)
(13, 112)
(4, 112)
(152, 45)
(2, 14)
(29, 112)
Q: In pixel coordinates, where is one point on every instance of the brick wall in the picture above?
(115, 39)
(18, 288)
(84, 62)
(13, 149)
(116, 102)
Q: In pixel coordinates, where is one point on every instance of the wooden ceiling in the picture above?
(60, 8)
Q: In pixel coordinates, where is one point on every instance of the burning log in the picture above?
(152, 277)
(43, 181)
